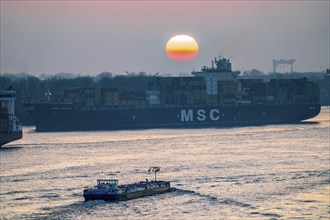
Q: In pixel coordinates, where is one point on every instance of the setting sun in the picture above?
(182, 48)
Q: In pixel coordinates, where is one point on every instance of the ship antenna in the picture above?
(48, 94)
(154, 169)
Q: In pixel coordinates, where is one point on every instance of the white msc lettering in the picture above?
(201, 115)
(214, 117)
(186, 115)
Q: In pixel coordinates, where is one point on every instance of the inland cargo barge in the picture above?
(109, 190)
(212, 97)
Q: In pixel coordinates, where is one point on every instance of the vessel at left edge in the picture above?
(10, 127)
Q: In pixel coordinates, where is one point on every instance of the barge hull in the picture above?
(125, 196)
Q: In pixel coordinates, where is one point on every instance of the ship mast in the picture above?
(48, 94)
(154, 169)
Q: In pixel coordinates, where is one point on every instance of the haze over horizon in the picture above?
(89, 37)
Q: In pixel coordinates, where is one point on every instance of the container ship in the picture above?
(212, 97)
(10, 128)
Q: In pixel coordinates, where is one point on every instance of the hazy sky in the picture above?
(89, 37)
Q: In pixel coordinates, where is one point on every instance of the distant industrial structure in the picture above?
(282, 61)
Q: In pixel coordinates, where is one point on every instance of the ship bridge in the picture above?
(219, 71)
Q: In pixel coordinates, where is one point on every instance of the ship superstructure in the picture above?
(10, 128)
(220, 71)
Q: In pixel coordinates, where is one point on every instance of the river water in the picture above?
(255, 172)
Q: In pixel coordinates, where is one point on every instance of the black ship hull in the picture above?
(68, 117)
(125, 196)
(6, 137)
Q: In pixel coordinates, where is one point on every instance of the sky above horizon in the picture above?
(89, 37)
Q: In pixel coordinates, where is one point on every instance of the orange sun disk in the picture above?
(182, 48)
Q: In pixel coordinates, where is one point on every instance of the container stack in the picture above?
(110, 97)
(227, 91)
(259, 92)
(282, 90)
(132, 97)
(182, 91)
(87, 97)
(313, 92)
(192, 91)
(306, 92)
(298, 91)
